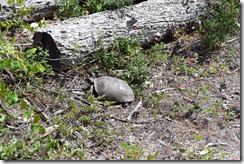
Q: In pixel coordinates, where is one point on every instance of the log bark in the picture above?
(41, 9)
(72, 40)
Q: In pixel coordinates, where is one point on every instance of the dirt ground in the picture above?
(180, 104)
(171, 131)
(175, 108)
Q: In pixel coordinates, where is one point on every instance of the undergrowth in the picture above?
(222, 20)
(127, 60)
(73, 8)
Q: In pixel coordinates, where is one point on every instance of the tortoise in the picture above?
(113, 89)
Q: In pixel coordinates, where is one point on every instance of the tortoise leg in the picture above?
(93, 91)
(125, 104)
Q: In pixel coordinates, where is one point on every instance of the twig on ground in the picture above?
(233, 39)
(24, 44)
(236, 126)
(37, 109)
(135, 122)
(163, 90)
(81, 99)
(135, 109)
(72, 81)
(49, 130)
(34, 102)
(44, 89)
(9, 73)
(216, 144)
(58, 112)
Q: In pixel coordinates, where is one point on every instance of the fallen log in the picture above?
(72, 40)
(40, 9)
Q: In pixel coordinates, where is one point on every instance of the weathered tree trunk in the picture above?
(73, 39)
(41, 9)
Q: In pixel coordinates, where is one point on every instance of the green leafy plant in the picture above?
(21, 69)
(201, 151)
(181, 67)
(135, 152)
(42, 149)
(156, 54)
(222, 21)
(125, 60)
(177, 107)
(12, 98)
(69, 8)
(93, 6)
(73, 8)
(132, 152)
(229, 115)
(17, 20)
(197, 137)
(30, 62)
(155, 99)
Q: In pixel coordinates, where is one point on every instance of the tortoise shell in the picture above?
(113, 89)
